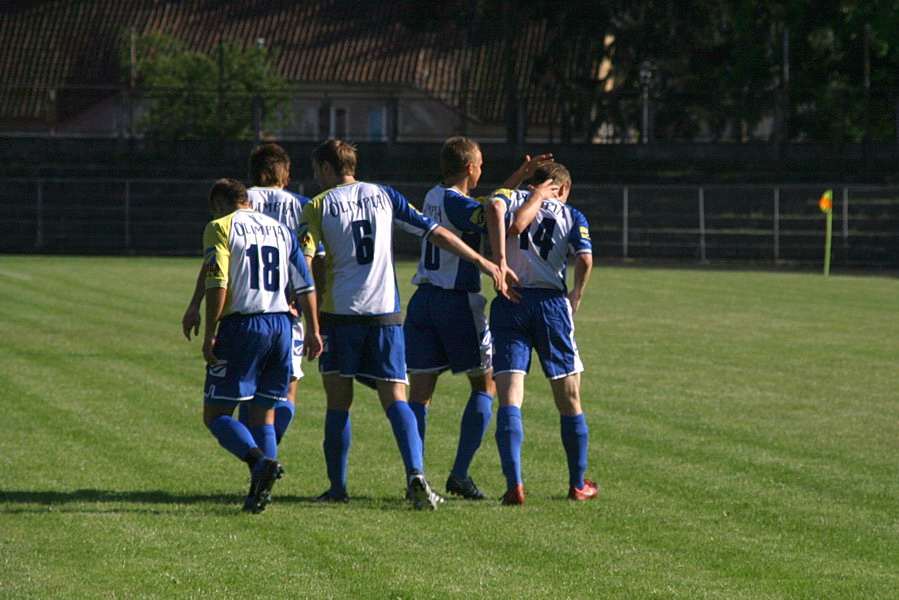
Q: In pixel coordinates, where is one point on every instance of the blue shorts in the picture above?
(447, 329)
(297, 347)
(254, 356)
(542, 321)
(369, 351)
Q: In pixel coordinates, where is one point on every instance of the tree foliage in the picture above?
(192, 95)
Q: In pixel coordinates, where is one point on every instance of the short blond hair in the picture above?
(339, 154)
(456, 154)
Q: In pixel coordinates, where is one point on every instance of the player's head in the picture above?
(269, 166)
(459, 157)
(334, 158)
(558, 173)
(226, 196)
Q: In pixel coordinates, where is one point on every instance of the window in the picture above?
(332, 122)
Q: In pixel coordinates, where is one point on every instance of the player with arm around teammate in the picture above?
(360, 311)
(542, 235)
(446, 325)
(251, 263)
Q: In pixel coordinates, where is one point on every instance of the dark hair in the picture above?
(229, 192)
(456, 154)
(552, 170)
(339, 154)
(269, 165)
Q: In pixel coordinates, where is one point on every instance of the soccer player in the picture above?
(446, 325)
(360, 311)
(269, 170)
(543, 233)
(251, 263)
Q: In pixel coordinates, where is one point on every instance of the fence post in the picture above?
(127, 214)
(624, 219)
(702, 224)
(776, 224)
(39, 234)
(846, 224)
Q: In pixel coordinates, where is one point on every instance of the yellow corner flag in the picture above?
(826, 206)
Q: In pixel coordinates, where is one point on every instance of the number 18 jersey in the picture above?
(257, 259)
(539, 256)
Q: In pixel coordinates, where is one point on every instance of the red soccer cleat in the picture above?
(588, 492)
(514, 495)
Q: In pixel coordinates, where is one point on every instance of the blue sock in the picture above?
(475, 420)
(264, 436)
(338, 432)
(509, 435)
(405, 430)
(421, 416)
(284, 412)
(574, 440)
(232, 435)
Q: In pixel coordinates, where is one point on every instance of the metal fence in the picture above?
(715, 223)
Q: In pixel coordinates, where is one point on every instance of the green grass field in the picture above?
(744, 430)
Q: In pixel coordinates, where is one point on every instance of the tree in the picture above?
(191, 95)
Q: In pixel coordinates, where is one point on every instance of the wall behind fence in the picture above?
(721, 223)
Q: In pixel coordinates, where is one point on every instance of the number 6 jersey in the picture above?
(257, 259)
(355, 222)
(539, 255)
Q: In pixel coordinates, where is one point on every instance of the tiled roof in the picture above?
(54, 43)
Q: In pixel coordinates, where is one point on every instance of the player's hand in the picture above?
(191, 320)
(292, 309)
(574, 298)
(546, 189)
(497, 273)
(208, 348)
(532, 164)
(312, 346)
(512, 285)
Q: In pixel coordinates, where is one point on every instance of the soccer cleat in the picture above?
(421, 494)
(588, 492)
(514, 496)
(264, 477)
(463, 487)
(339, 498)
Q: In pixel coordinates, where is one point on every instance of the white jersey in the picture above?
(278, 204)
(464, 216)
(539, 256)
(257, 259)
(355, 223)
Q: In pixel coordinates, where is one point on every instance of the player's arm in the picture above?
(215, 304)
(191, 319)
(312, 343)
(445, 239)
(583, 265)
(524, 216)
(495, 217)
(526, 170)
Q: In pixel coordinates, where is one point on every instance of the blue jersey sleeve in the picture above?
(465, 213)
(406, 215)
(579, 237)
(299, 276)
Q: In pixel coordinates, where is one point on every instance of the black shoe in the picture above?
(264, 477)
(463, 487)
(423, 497)
(342, 497)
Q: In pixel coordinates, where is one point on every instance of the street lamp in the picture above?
(646, 71)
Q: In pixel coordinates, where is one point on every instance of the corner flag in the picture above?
(826, 206)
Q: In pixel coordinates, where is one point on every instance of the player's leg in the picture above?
(425, 355)
(510, 433)
(338, 434)
(575, 434)
(421, 390)
(472, 429)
